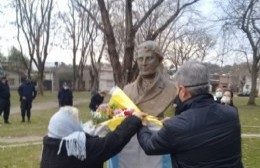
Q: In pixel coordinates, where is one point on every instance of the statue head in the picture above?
(149, 58)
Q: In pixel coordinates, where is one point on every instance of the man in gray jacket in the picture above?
(205, 134)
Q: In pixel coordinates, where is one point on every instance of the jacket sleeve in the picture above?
(104, 148)
(157, 143)
(71, 98)
(20, 92)
(34, 92)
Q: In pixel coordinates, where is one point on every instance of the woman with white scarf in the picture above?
(68, 146)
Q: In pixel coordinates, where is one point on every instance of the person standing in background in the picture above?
(4, 99)
(65, 96)
(96, 100)
(27, 93)
(218, 95)
(228, 98)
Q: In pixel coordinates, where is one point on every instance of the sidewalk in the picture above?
(44, 106)
(37, 140)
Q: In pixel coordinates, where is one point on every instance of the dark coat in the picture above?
(65, 97)
(95, 101)
(98, 150)
(27, 90)
(4, 92)
(205, 134)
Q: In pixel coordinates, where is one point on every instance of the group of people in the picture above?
(27, 94)
(203, 133)
(224, 97)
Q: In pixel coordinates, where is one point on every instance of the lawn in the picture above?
(28, 156)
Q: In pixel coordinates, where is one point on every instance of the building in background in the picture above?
(106, 79)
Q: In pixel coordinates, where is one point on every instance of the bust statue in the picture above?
(153, 94)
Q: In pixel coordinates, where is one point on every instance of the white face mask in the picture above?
(66, 87)
(218, 94)
(225, 100)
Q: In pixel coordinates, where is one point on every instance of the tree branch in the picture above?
(171, 19)
(147, 14)
(91, 16)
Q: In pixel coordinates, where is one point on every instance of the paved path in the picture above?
(37, 140)
(45, 105)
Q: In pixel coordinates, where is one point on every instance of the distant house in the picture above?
(14, 74)
(55, 76)
(247, 86)
(214, 81)
(106, 79)
(14, 79)
(224, 81)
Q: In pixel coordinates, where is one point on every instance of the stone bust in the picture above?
(151, 91)
(153, 94)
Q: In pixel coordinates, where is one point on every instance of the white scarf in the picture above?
(63, 126)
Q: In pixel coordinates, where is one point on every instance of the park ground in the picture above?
(21, 143)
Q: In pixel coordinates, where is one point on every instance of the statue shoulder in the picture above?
(130, 89)
(169, 89)
(129, 86)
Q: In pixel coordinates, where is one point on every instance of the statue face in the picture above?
(148, 63)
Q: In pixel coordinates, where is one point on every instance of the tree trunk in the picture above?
(29, 68)
(94, 87)
(111, 43)
(74, 85)
(254, 75)
(128, 59)
(40, 79)
(129, 44)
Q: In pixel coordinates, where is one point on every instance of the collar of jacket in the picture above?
(196, 101)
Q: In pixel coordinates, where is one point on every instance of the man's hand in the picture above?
(142, 116)
(174, 105)
(165, 118)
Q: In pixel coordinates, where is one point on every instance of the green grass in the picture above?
(21, 157)
(48, 96)
(29, 156)
(251, 152)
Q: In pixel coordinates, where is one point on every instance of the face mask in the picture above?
(179, 103)
(218, 94)
(66, 87)
(225, 100)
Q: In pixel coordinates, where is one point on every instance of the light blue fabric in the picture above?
(133, 156)
(166, 161)
(113, 162)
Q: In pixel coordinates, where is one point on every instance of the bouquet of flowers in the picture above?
(109, 116)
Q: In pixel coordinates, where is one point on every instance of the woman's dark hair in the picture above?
(231, 94)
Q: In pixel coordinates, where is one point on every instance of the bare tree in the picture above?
(74, 22)
(123, 73)
(190, 44)
(243, 17)
(34, 20)
(84, 35)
